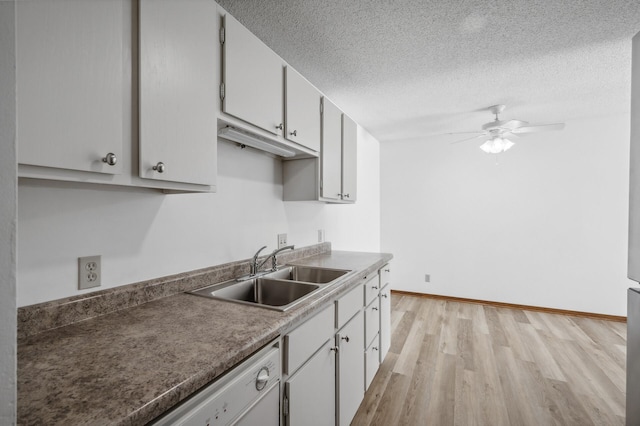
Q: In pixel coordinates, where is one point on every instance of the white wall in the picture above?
(143, 234)
(547, 226)
(8, 222)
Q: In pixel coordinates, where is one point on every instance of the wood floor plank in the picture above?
(369, 405)
(448, 333)
(495, 328)
(391, 402)
(419, 394)
(488, 388)
(408, 357)
(544, 360)
(455, 363)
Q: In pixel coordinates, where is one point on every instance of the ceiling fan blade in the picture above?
(471, 138)
(467, 133)
(539, 128)
(513, 124)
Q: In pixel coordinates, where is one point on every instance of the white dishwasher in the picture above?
(247, 395)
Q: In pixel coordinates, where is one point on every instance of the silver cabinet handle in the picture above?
(334, 349)
(345, 338)
(160, 167)
(294, 133)
(110, 159)
(279, 126)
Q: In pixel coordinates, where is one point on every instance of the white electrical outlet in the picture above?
(89, 272)
(320, 235)
(282, 240)
(427, 278)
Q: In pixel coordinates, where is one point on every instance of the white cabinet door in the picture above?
(385, 321)
(349, 159)
(372, 363)
(372, 321)
(252, 76)
(178, 90)
(69, 84)
(302, 111)
(331, 156)
(351, 378)
(311, 391)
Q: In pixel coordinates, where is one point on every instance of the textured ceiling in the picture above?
(412, 69)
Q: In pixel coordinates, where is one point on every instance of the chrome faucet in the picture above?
(272, 256)
(253, 269)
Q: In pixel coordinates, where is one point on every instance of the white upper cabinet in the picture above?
(302, 111)
(178, 90)
(349, 158)
(331, 154)
(253, 79)
(70, 84)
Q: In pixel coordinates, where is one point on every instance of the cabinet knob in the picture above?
(346, 195)
(387, 270)
(375, 287)
(374, 308)
(160, 167)
(345, 338)
(374, 348)
(334, 349)
(294, 133)
(279, 126)
(384, 295)
(110, 159)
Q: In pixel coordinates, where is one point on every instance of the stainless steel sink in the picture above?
(265, 292)
(279, 290)
(308, 274)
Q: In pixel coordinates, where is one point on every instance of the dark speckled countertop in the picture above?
(129, 366)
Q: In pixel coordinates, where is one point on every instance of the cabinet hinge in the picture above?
(222, 91)
(285, 405)
(222, 35)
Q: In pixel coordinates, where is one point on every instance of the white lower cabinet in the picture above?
(331, 359)
(350, 342)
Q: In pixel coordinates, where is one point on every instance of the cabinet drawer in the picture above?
(385, 275)
(348, 305)
(302, 342)
(371, 289)
(371, 322)
(371, 363)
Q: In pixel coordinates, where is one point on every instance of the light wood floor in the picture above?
(465, 364)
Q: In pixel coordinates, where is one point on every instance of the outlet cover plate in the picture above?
(89, 272)
(282, 240)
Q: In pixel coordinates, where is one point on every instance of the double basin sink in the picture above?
(279, 290)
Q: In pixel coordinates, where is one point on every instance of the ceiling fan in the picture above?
(496, 132)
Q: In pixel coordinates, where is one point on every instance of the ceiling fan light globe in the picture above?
(496, 145)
